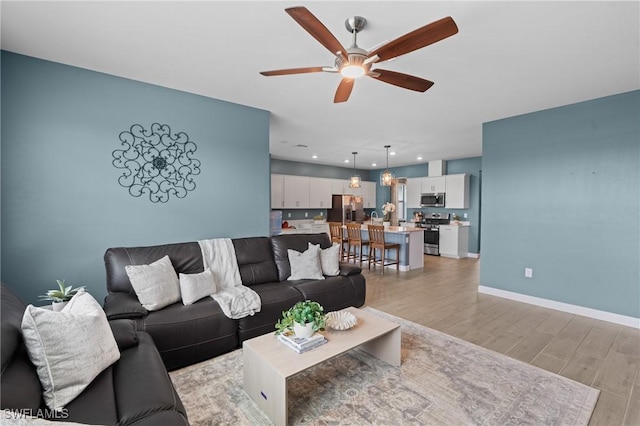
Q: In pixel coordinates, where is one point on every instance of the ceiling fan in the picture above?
(355, 62)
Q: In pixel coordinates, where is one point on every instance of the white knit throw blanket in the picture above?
(235, 300)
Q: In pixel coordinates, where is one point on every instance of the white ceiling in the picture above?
(509, 58)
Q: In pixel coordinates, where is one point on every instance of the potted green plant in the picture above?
(319, 218)
(304, 318)
(60, 296)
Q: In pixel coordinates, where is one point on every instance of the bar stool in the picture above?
(377, 242)
(354, 236)
(337, 236)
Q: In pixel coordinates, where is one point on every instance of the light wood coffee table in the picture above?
(268, 362)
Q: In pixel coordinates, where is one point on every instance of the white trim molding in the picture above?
(564, 307)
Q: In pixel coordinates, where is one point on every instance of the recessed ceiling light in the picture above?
(392, 153)
(346, 161)
(419, 158)
(314, 156)
(373, 164)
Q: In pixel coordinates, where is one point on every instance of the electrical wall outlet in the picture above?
(289, 215)
(306, 214)
(465, 215)
(528, 273)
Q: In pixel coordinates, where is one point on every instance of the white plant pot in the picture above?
(303, 330)
(386, 224)
(57, 306)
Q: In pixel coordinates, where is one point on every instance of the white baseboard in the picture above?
(474, 255)
(564, 307)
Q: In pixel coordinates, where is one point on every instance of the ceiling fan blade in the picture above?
(417, 39)
(344, 90)
(293, 71)
(399, 79)
(313, 26)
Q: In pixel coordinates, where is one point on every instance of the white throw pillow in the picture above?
(194, 287)
(329, 259)
(155, 284)
(305, 265)
(69, 348)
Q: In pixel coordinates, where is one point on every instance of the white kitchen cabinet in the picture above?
(296, 192)
(454, 241)
(304, 192)
(369, 194)
(414, 190)
(277, 191)
(339, 186)
(457, 191)
(320, 190)
(434, 184)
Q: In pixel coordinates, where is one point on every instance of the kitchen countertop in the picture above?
(396, 229)
(461, 224)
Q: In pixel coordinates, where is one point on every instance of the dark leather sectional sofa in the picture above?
(136, 390)
(188, 334)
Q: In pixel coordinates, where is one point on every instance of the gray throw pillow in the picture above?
(305, 265)
(156, 284)
(329, 259)
(194, 287)
(69, 348)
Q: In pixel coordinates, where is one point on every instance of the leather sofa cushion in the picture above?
(20, 386)
(185, 257)
(333, 293)
(143, 386)
(194, 327)
(255, 260)
(299, 242)
(124, 331)
(276, 297)
(97, 403)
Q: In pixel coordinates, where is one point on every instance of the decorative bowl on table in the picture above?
(340, 320)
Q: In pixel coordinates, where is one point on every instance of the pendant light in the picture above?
(354, 182)
(387, 178)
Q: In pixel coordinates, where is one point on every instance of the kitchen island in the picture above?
(411, 242)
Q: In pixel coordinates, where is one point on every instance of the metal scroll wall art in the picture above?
(156, 162)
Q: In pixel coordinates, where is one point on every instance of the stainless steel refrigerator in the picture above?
(346, 208)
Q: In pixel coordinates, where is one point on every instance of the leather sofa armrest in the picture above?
(122, 306)
(125, 333)
(346, 269)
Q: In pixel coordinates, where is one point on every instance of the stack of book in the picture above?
(301, 344)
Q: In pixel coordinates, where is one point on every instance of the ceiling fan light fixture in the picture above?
(354, 181)
(387, 177)
(353, 71)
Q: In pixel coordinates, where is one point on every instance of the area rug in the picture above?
(442, 381)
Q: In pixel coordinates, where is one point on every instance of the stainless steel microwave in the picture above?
(432, 200)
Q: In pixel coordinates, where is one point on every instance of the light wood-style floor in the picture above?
(444, 296)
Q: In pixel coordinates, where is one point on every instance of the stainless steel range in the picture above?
(431, 223)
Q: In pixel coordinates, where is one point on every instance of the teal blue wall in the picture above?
(62, 206)
(561, 195)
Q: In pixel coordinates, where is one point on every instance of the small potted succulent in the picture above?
(304, 318)
(60, 296)
(319, 219)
